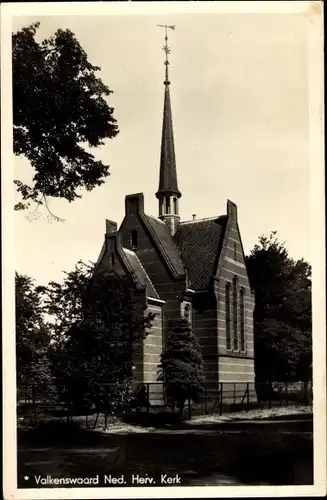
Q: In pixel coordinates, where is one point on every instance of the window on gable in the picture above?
(227, 316)
(235, 257)
(235, 333)
(134, 239)
(242, 320)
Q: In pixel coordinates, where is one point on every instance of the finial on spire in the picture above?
(166, 49)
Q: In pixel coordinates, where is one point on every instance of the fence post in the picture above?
(164, 395)
(189, 404)
(221, 399)
(106, 408)
(248, 395)
(205, 400)
(148, 396)
(34, 404)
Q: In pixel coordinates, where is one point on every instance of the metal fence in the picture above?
(34, 407)
(236, 396)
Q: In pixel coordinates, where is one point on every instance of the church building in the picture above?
(194, 269)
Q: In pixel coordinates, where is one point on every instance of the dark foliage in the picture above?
(58, 106)
(32, 342)
(98, 324)
(181, 367)
(282, 316)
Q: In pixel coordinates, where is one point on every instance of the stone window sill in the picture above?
(235, 352)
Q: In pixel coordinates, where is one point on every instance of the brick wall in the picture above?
(109, 258)
(204, 323)
(152, 346)
(235, 364)
(233, 369)
(168, 289)
(152, 349)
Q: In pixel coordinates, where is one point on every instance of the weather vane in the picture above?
(165, 48)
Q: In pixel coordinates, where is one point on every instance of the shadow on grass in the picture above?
(167, 420)
(257, 454)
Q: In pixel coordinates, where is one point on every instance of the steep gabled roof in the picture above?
(165, 241)
(168, 176)
(199, 243)
(139, 273)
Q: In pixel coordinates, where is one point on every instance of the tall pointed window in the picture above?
(175, 206)
(242, 320)
(134, 239)
(235, 336)
(227, 316)
(161, 207)
(168, 205)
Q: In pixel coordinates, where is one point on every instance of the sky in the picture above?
(240, 104)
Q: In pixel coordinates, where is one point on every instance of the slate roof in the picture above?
(139, 273)
(200, 243)
(168, 175)
(166, 243)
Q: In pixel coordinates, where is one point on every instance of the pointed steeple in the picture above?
(168, 175)
(168, 192)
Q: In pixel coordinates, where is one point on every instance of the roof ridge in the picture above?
(143, 268)
(160, 245)
(200, 220)
(128, 265)
(128, 250)
(131, 252)
(154, 217)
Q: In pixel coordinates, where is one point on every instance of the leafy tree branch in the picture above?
(59, 106)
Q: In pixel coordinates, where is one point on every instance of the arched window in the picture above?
(134, 239)
(187, 312)
(112, 260)
(227, 316)
(175, 206)
(235, 337)
(242, 320)
(161, 207)
(235, 256)
(167, 205)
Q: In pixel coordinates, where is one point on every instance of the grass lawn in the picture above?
(273, 447)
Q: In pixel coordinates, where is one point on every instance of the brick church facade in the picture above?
(194, 269)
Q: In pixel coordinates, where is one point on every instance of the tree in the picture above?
(98, 323)
(181, 367)
(58, 106)
(32, 341)
(282, 315)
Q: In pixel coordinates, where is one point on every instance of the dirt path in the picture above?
(229, 452)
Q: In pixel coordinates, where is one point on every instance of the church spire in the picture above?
(168, 192)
